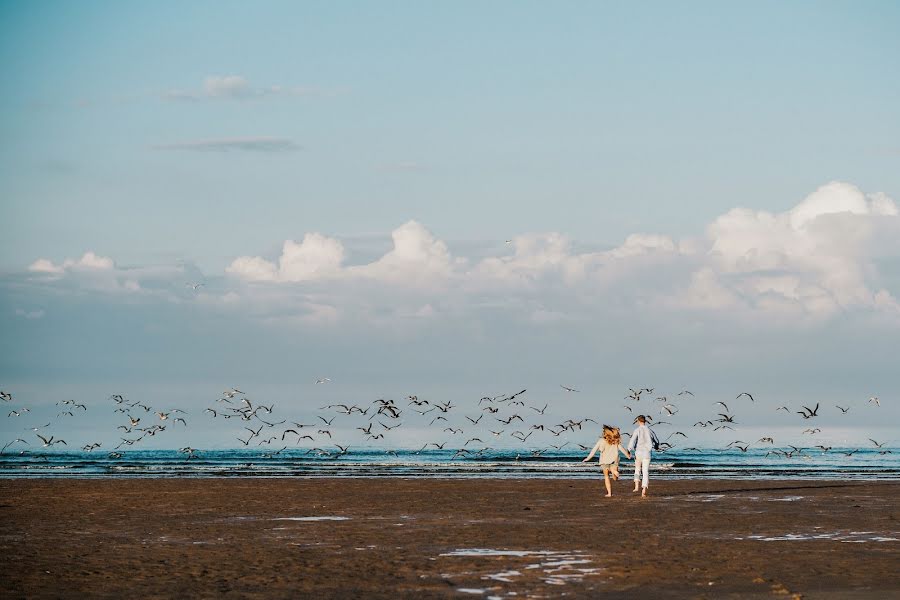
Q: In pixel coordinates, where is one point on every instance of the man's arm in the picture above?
(632, 440)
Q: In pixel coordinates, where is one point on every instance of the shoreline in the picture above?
(343, 537)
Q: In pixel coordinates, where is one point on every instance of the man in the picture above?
(643, 440)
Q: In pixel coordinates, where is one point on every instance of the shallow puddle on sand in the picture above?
(325, 518)
(837, 536)
(551, 567)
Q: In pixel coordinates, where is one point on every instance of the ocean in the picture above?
(866, 464)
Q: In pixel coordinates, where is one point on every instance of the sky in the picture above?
(451, 200)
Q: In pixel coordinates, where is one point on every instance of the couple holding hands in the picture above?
(643, 440)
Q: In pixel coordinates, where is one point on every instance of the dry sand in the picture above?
(390, 538)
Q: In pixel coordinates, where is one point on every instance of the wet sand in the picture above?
(396, 538)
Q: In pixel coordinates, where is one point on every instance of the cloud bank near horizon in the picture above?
(806, 265)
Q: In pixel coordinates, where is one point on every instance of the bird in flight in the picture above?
(808, 413)
(843, 410)
(874, 400)
(567, 388)
(746, 394)
(322, 380)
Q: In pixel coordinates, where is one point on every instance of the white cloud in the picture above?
(88, 261)
(30, 314)
(247, 144)
(237, 87)
(317, 256)
(42, 265)
(227, 86)
(805, 265)
(811, 258)
(812, 261)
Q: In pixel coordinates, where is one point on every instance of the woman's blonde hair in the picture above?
(611, 434)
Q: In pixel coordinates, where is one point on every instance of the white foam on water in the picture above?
(324, 518)
(470, 590)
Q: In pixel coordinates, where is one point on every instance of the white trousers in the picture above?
(642, 464)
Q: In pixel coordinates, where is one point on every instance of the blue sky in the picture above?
(611, 144)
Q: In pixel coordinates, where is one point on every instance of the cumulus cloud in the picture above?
(246, 144)
(88, 261)
(315, 257)
(806, 264)
(812, 258)
(812, 261)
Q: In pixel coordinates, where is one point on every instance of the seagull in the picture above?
(322, 380)
(812, 431)
(194, 286)
(875, 400)
(541, 411)
(745, 394)
(766, 439)
(567, 388)
(683, 392)
(723, 404)
(843, 410)
(475, 421)
(11, 443)
(877, 445)
(51, 441)
(808, 413)
(784, 408)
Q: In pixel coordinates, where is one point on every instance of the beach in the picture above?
(414, 538)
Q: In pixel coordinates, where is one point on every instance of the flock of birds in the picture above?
(468, 432)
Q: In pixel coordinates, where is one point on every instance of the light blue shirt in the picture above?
(642, 441)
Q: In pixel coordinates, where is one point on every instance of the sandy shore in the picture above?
(392, 538)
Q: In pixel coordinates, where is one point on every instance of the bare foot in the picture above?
(608, 496)
(634, 490)
(644, 493)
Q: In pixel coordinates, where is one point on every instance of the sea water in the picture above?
(373, 462)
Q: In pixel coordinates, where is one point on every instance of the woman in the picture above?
(609, 445)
